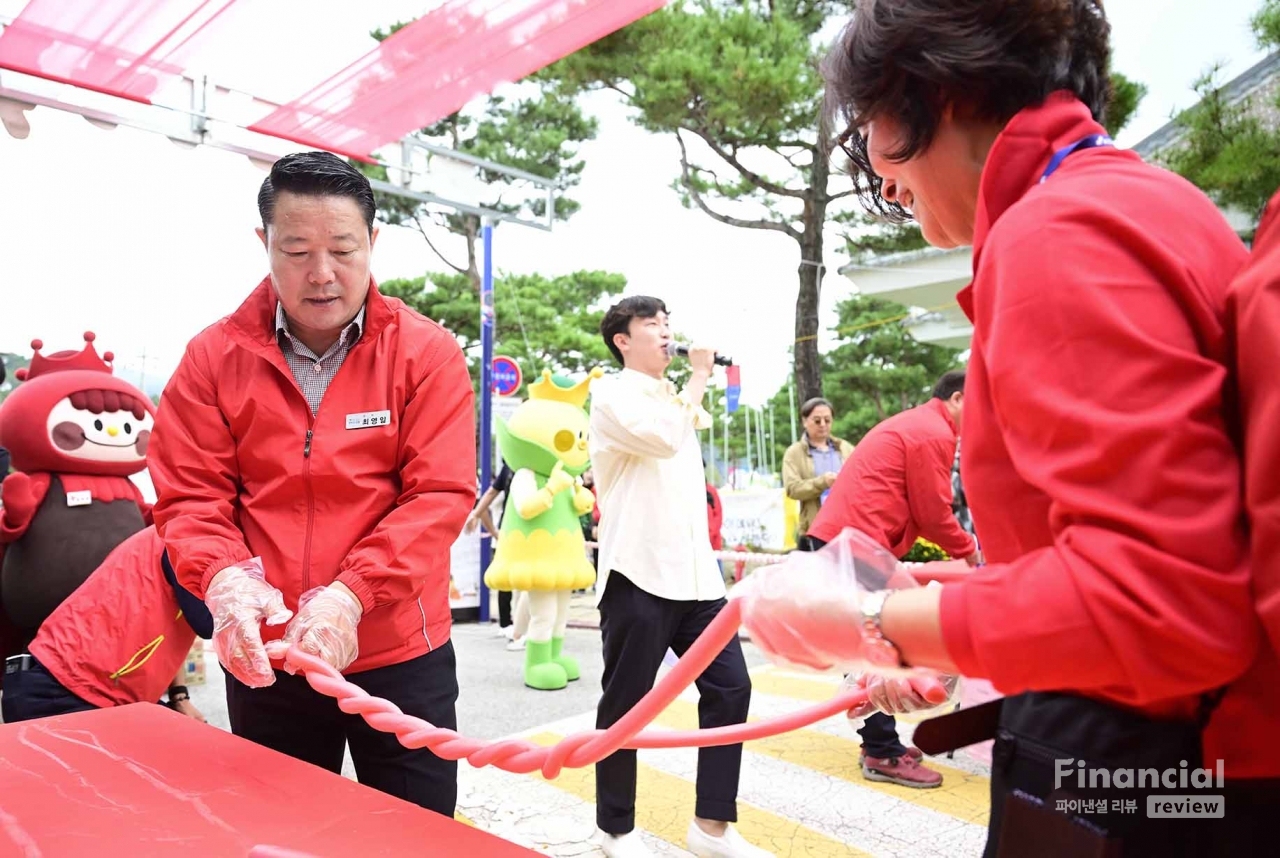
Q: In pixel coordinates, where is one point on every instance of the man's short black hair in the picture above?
(315, 174)
(951, 382)
(617, 319)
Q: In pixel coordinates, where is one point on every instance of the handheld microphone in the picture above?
(682, 350)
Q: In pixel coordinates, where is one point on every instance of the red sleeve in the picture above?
(1144, 594)
(192, 460)
(715, 518)
(408, 551)
(1255, 312)
(929, 497)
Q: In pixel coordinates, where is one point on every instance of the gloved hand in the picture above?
(240, 600)
(326, 626)
(915, 697)
(806, 610)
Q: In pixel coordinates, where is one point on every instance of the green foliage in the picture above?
(1266, 25)
(878, 368)
(542, 322)
(737, 83)
(883, 239)
(1126, 95)
(12, 363)
(1232, 151)
(539, 133)
(1228, 151)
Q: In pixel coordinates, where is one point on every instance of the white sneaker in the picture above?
(729, 845)
(629, 845)
(516, 645)
(503, 631)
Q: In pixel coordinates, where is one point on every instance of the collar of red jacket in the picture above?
(1017, 160)
(936, 404)
(255, 320)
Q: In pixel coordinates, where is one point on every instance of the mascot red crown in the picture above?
(71, 415)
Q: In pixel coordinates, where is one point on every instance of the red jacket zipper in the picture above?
(311, 511)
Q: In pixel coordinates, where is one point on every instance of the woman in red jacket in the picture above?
(1115, 608)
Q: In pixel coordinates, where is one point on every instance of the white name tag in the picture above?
(368, 419)
(80, 498)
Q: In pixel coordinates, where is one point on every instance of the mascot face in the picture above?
(71, 415)
(100, 426)
(550, 426)
(556, 427)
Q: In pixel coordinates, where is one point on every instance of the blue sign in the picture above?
(506, 376)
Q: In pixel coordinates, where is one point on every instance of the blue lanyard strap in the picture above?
(1091, 142)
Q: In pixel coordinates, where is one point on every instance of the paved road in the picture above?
(801, 794)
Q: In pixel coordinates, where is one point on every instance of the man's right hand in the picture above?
(472, 522)
(240, 600)
(702, 359)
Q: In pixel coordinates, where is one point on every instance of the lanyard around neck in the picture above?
(1091, 142)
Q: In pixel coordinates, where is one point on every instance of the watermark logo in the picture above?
(1071, 772)
(1185, 807)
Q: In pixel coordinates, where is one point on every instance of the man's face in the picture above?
(318, 249)
(644, 346)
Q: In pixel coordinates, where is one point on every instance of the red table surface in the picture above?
(143, 780)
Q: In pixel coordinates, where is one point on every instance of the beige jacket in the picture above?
(800, 483)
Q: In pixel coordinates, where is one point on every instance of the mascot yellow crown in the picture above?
(576, 395)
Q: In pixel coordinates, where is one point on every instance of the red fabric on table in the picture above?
(123, 781)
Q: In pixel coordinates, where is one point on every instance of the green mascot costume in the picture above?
(540, 546)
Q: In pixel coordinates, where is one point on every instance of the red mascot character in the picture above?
(75, 433)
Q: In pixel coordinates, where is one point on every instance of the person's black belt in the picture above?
(19, 663)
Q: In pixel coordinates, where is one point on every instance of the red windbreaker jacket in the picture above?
(896, 485)
(120, 637)
(243, 469)
(1099, 462)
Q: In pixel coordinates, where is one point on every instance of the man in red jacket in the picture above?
(314, 457)
(896, 486)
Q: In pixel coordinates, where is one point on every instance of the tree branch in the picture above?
(687, 177)
(754, 178)
(791, 159)
(435, 249)
(833, 197)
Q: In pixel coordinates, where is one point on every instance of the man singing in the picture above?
(659, 584)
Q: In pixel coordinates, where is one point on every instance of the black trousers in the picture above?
(880, 737)
(637, 628)
(504, 608)
(294, 719)
(34, 693)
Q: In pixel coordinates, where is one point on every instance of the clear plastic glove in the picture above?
(325, 626)
(240, 600)
(919, 695)
(806, 611)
